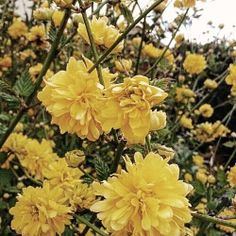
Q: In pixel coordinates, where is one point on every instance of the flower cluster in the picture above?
(231, 79)
(126, 106)
(103, 34)
(208, 132)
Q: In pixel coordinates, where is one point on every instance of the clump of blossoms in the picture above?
(33, 155)
(232, 176)
(17, 29)
(147, 199)
(73, 98)
(207, 132)
(40, 212)
(231, 79)
(127, 106)
(194, 63)
(103, 34)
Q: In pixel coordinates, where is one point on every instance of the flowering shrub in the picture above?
(106, 130)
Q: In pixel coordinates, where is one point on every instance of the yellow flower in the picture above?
(179, 39)
(27, 53)
(40, 212)
(76, 194)
(198, 160)
(210, 84)
(188, 177)
(231, 79)
(38, 157)
(43, 13)
(136, 41)
(5, 62)
(201, 208)
(37, 32)
(147, 199)
(57, 17)
(194, 63)
(227, 212)
(232, 176)
(184, 3)
(36, 69)
(158, 120)
(17, 29)
(63, 3)
(128, 107)
(123, 65)
(207, 132)
(184, 94)
(103, 34)
(74, 158)
(73, 96)
(16, 145)
(81, 196)
(154, 52)
(165, 152)
(206, 110)
(60, 174)
(186, 122)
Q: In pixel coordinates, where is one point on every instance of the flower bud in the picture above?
(158, 120)
(74, 158)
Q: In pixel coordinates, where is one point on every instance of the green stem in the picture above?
(213, 220)
(140, 47)
(100, 6)
(39, 80)
(91, 40)
(148, 144)
(91, 226)
(168, 46)
(118, 156)
(230, 159)
(122, 36)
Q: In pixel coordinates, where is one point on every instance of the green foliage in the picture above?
(24, 85)
(102, 169)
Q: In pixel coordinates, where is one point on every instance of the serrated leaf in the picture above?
(52, 32)
(5, 87)
(4, 117)
(199, 188)
(102, 169)
(24, 86)
(8, 97)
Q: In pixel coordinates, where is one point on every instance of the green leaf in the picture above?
(68, 232)
(3, 157)
(5, 117)
(52, 32)
(24, 86)
(229, 144)
(221, 177)
(199, 188)
(8, 97)
(126, 13)
(5, 87)
(6, 177)
(101, 168)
